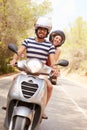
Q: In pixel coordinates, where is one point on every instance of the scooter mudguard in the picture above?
(22, 111)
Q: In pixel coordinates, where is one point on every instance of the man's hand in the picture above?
(12, 63)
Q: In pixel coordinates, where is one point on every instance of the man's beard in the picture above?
(41, 37)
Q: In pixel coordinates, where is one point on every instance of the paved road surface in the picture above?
(67, 109)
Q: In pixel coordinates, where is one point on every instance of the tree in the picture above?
(16, 21)
(76, 45)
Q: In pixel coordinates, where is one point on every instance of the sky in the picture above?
(65, 12)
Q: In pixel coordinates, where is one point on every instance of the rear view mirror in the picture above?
(63, 62)
(13, 48)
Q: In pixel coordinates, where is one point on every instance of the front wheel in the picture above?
(21, 123)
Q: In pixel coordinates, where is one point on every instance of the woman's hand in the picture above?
(55, 71)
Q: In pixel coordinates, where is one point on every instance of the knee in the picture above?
(50, 88)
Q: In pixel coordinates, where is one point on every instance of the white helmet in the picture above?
(43, 22)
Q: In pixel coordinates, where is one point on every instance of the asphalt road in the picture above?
(67, 109)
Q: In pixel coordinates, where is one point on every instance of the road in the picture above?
(67, 109)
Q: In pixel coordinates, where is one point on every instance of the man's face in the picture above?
(41, 33)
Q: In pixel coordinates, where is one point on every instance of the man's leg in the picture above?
(49, 90)
(49, 94)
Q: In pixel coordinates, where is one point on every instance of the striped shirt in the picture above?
(38, 50)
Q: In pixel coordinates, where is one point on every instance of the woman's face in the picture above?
(57, 40)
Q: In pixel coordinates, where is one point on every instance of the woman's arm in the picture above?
(52, 64)
(57, 53)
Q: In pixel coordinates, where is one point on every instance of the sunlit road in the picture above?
(67, 109)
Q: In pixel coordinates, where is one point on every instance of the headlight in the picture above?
(34, 65)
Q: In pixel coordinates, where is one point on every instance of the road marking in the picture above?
(77, 106)
(7, 77)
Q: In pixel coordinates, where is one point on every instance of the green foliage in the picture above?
(75, 48)
(17, 19)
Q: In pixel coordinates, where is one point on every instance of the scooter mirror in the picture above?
(13, 48)
(63, 62)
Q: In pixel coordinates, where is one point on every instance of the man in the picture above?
(39, 48)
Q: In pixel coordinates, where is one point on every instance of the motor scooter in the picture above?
(27, 95)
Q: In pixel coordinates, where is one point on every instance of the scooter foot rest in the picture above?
(44, 117)
(4, 108)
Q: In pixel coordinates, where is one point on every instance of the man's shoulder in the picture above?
(47, 41)
(29, 39)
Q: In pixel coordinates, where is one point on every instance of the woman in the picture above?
(57, 38)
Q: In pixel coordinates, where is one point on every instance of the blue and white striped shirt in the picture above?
(38, 50)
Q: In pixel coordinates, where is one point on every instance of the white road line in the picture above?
(7, 77)
(77, 106)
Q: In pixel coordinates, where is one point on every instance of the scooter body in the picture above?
(27, 95)
(26, 100)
